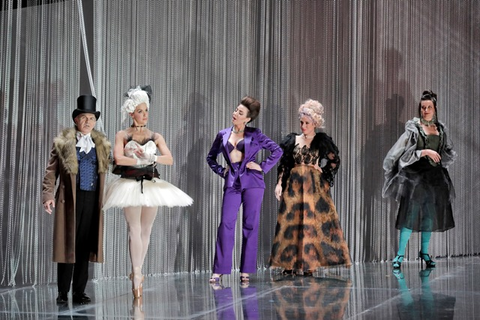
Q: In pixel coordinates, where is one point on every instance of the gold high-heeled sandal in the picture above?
(137, 292)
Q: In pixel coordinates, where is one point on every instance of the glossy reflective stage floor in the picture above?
(365, 291)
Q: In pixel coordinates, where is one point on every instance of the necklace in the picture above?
(307, 137)
(428, 123)
(239, 131)
(133, 126)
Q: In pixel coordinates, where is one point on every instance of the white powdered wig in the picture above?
(314, 110)
(135, 97)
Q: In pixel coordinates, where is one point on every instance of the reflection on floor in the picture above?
(365, 291)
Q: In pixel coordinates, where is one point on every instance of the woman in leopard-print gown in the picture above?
(308, 234)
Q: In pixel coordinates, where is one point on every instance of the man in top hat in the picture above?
(79, 159)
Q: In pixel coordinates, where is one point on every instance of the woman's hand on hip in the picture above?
(278, 192)
(252, 165)
(316, 167)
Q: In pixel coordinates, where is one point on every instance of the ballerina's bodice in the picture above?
(148, 148)
(123, 193)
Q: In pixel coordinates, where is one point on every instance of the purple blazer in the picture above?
(254, 141)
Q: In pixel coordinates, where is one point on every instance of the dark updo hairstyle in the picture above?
(428, 95)
(252, 105)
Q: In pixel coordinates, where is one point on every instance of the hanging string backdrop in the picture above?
(366, 62)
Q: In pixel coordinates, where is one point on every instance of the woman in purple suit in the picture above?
(244, 184)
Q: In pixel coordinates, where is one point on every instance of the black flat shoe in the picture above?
(81, 298)
(288, 272)
(308, 273)
(62, 297)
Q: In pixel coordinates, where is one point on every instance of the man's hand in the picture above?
(49, 205)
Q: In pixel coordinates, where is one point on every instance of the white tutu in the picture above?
(123, 193)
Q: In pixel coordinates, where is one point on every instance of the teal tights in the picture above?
(405, 236)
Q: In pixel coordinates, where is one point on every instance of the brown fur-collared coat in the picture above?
(63, 165)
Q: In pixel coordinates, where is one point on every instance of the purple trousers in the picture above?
(251, 199)
(224, 303)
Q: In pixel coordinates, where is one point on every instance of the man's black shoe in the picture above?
(80, 298)
(62, 297)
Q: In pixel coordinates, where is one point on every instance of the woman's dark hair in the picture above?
(252, 105)
(428, 95)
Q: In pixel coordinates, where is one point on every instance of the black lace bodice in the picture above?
(322, 149)
(305, 155)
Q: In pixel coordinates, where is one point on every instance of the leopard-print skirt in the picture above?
(308, 234)
(306, 298)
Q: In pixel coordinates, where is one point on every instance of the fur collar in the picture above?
(64, 145)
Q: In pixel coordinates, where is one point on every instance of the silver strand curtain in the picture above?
(366, 61)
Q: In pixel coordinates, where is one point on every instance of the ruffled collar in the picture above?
(84, 142)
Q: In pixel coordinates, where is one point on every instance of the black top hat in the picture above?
(86, 104)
